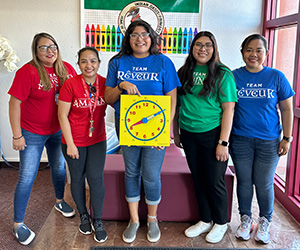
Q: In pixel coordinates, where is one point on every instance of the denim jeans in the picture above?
(29, 165)
(255, 162)
(90, 165)
(142, 163)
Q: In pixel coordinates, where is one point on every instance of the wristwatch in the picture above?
(224, 143)
(289, 139)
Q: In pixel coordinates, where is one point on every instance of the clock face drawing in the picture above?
(145, 120)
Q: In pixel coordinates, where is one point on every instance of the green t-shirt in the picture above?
(199, 114)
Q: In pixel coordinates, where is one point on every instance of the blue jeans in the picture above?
(255, 162)
(142, 163)
(29, 165)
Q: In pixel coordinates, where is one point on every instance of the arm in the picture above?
(176, 127)
(286, 109)
(227, 117)
(15, 123)
(112, 95)
(63, 112)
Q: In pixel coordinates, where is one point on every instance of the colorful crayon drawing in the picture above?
(87, 35)
(103, 38)
(119, 39)
(172, 40)
(169, 43)
(98, 37)
(93, 36)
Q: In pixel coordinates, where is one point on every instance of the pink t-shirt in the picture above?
(38, 107)
(79, 116)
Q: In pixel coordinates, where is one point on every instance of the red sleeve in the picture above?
(23, 82)
(66, 92)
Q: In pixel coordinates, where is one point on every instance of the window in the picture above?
(282, 29)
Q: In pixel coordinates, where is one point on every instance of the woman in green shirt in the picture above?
(202, 126)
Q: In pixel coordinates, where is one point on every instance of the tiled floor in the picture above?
(62, 233)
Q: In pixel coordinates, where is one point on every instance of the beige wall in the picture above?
(229, 20)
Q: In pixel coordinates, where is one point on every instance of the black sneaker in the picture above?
(100, 233)
(85, 224)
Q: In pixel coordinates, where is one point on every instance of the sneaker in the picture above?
(129, 233)
(85, 224)
(217, 233)
(197, 229)
(64, 208)
(23, 234)
(153, 234)
(245, 228)
(263, 231)
(100, 233)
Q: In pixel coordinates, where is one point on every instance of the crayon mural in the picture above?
(176, 22)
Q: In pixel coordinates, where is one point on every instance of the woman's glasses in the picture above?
(45, 48)
(206, 45)
(144, 35)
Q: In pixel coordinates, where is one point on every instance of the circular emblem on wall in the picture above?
(141, 10)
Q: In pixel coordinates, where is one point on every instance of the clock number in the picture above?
(154, 106)
(136, 133)
(152, 134)
(128, 120)
(132, 112)
(145, 104)
(158, 129)
(138, 106)
(161, 120)
(144, 136)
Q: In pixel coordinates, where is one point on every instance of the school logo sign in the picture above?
(141, 10)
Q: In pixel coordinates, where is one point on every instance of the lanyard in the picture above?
(92, 107)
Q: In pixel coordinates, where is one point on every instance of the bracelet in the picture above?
(17, 138)
(119, 88)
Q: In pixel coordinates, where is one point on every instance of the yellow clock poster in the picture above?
(145, 120)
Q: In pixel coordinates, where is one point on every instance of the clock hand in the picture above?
(146, 119)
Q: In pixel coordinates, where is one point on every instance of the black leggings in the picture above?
(208, 174)
(90, 165)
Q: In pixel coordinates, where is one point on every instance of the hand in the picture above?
(177, 141)
(159, 147)
(130, 88)
(19, 144)
(284, 147)
(222, 153)
(72, 151)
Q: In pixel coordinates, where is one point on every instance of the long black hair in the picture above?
(215, 66)
(125, 45)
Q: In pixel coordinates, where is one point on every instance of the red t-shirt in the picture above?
(38, 107)
(79, 116)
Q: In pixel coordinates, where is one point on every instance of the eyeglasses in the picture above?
(206, 45)
(144, 35)
(45, 48)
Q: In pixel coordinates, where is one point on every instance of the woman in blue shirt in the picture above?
(256, 134)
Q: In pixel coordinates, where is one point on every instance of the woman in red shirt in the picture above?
(34, 124)
(81, 112)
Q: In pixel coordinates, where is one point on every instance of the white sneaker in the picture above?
(197, 229)
(217, 233)
(263, 231)
(245, 228)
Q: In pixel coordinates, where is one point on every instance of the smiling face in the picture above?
(49, 56)
(201, 53)
(254, 55)
(89, 65)
(139, 45)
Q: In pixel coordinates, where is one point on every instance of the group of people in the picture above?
(214, 111)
